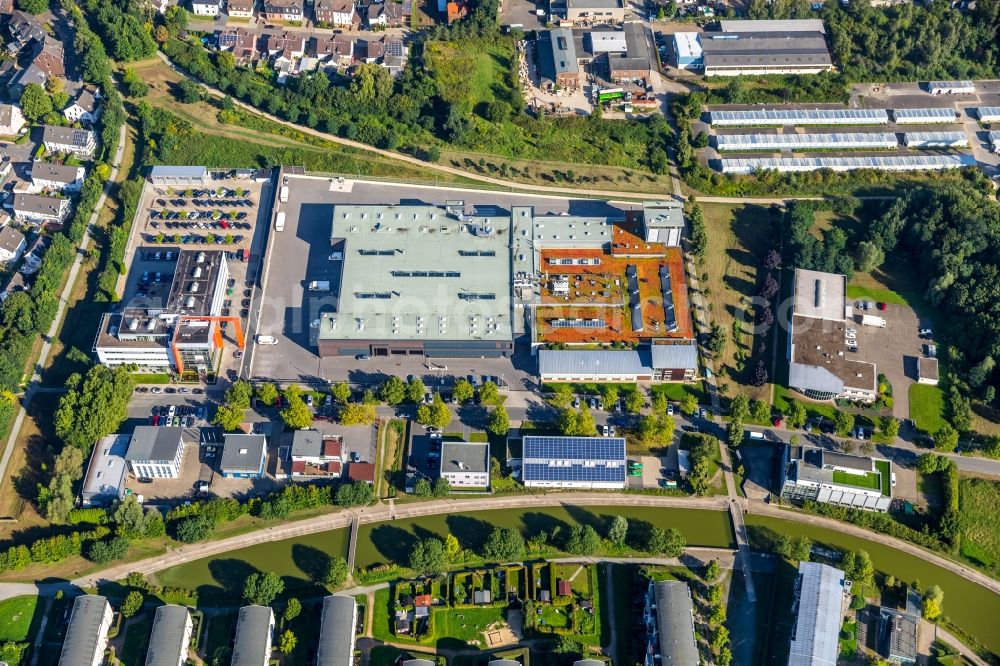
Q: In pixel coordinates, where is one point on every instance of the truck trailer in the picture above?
(279, 221)
(319, 285)
(872, 320)
(283, 194)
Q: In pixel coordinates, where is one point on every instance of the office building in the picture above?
(314, 454)
(170, 638)
(336, 633)
(596, 463)
(585, 12)
(87, 632)
(820, 363)
(254, 633)
(648, 363)
(756, 47)
(156, 452)
(243, 456)
(465, 464)
(818, 475)
(104, 480)
(179, 176)
(669, 624)
(173, 324)
(821, 595)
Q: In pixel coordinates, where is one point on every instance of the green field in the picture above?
(927, 407)
(16, 617)
(295, 560)
(978, 501)
(868, 480)
(885, 476)
(783, 396)
(469, 72)
(969, 606)
(875, 294)
(392, 541)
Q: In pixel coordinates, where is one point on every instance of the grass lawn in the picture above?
(885, 475)
(738, 236)
(621, 590)
(16, 616)
(555, 616)
(784, 395)
(927, 407)
(676, 392)
(465, 624)
(137, 639)
(468, 71)
(978, 500)
(869, 480)
(857, 291)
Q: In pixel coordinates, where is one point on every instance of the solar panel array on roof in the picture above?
(634, 302)
(573, 460)
(799, 117)
(806, 141)
(669, 315)
(988, 114)
(577, 323)
(935, 140)
(921, 116)
(747, 165)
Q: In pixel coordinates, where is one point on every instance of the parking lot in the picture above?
(301, 253)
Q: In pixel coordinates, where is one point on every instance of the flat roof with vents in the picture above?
(421, 272)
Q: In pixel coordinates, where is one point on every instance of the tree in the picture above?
(57, 500)
(583, 540)
(94, 405)
(241, 392)
(132, 603)
(609, 394)
(858, 567)
(427, 556)
(889, 426)
(336, 572)
(287, 642)
(357, 414)
(33, 6)
(194, 528)
(760, 411)
(504, 544)
(843, 423)
(716, 340)
(422, 487)
(739, 408)
(441, 487)
(393, 390)
(452, 548)
(353, 494)
(794, 548)
(297, 414)
(712, 571)
(463, 391)
(868, 256)
(796, 414)
(188, 92)
(260, 589)
(562, 396)
(415, 390)
(341, 392)
(946, 438)
(229, 417)
(689, 404)
(634, 401)
(102, 552)
(134, 85)
(129, 519)
(499, 422)
(618, 530)
(292, 609)
(933, 603)
(267, 393)
(489, 394)
(665, 542)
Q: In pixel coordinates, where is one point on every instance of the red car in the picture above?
(880, 305)
(776, 422)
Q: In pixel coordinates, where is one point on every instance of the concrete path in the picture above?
(945, 637)
(43, 357)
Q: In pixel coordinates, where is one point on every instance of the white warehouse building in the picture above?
(995, 141)
(951, 87)
(988, 114)
(935, 140)
(842, 141)
(924, 116)
(748, 165)
(780, 117)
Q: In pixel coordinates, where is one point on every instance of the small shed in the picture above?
(927, 370)
(481, 597)
(564, 588)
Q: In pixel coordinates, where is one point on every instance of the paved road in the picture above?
(43, 357)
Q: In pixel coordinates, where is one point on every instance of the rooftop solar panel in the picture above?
(578, 323)
(573, 459)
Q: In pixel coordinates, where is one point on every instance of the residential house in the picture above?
(283, 10)
(40, 209)
(18, 282)
(337, 51)
(361, 472)
(254, 631)
(240, 8)
(87, 632)
(315, 454)
(11, 120)
(33, 259)
(669, 621)
(385, 15)
(171, 636)
(79, 142)
(12, 245)
(456, 11)
(337, 13)
(465, 464)
(156, 452)
(336, 633)
(83, 109)
(284, 49)
(46, 63)
(395, 55)
(23, 28)
(206, 7)
(241, 42)
(370, 51)
(57, 177)
(243, 456)
(104, 481)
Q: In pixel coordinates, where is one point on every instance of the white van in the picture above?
(279, 221)
(755, 434)
(267, 340)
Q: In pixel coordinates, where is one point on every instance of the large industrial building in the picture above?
(819, 360)
(756, 47)
(673, 362)
(821, 596)
(612, 55)
(173, 323)
(591, 463)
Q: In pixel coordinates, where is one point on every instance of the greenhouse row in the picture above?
(988, 114)
(799, 117)
(924, 116)
(935, 140)
(995, 141)
(885, 163)
(806, 141)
